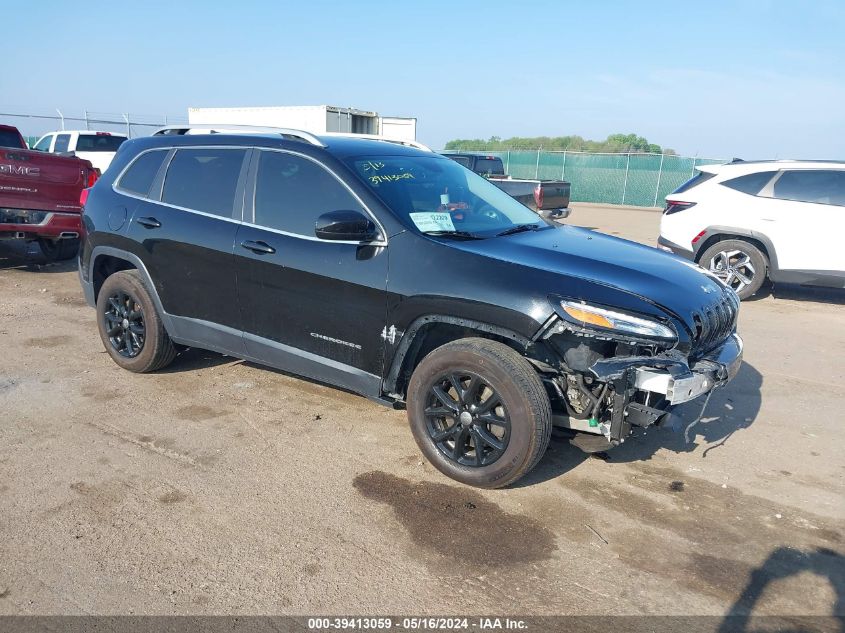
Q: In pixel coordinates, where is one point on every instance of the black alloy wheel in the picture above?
(466, 419)
(479, 412)
(125, 326)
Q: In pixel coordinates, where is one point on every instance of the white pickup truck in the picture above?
(97, 147)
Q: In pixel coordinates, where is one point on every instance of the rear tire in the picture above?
(58, 250)
(739, 264)
(130, 326)
(457, 424)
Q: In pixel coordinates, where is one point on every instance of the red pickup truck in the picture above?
(40, 196)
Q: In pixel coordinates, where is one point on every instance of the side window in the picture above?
(204, 179)
(750, 183)
(140, 175)
(292, 192)
(44, 144)
(62, 142)
(824, 186)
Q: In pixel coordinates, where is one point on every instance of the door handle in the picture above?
(258, 247)
(150, 223)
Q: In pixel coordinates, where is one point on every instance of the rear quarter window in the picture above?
(142, 172)
(750, 183)
(204, 180)
(699, 178)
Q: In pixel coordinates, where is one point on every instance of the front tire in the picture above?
(479, 412)
(739, 264)
(130, 327)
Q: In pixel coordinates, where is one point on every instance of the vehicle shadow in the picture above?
(782, 563)
(819, 294)
(192, 358)
(27, 256)
(730, 409)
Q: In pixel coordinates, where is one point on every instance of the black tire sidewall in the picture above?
(50, 249)
(68, 248)
(757, 259)
(522, 433)
(130, 283)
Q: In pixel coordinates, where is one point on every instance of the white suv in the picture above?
(97, 147)
(746, 221)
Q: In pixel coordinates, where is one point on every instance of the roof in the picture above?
(743, 167)
(85, 132)
(342, 144)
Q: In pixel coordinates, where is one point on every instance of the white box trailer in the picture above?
(314, 119)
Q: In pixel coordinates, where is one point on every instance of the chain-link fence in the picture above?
(633, 179)
(131, 125)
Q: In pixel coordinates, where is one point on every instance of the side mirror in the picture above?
(349, 226)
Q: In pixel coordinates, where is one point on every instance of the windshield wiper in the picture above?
(463, 235)
(519, 228)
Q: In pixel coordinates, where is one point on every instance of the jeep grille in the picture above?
(714, 323)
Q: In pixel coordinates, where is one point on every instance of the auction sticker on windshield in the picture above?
(432, 221)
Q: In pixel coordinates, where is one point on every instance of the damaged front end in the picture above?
(607, 371)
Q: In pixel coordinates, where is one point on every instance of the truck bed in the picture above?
(538, 195)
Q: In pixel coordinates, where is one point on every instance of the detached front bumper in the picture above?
(713, 370)
(636, 380)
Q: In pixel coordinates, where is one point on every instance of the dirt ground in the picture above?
(218, 486)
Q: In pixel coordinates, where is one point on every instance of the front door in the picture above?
(310, 306)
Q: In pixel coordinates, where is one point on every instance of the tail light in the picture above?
(89, 182)
(538, 196)
(673, 206)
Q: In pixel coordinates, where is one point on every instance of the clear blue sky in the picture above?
(755, 79)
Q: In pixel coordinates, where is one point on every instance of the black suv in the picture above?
(398, 274)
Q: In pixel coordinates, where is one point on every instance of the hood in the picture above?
(672, 283)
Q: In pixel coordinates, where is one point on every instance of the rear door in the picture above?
(187, 230)
(804, 216)
(314, 307)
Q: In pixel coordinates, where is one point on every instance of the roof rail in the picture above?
(376, 137)
(208, 128)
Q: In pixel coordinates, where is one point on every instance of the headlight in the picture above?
(602, 318)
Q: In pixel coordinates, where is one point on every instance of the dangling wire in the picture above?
(698, 419)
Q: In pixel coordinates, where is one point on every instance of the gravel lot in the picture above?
(218, 486)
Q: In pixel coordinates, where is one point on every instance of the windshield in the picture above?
(438, 196)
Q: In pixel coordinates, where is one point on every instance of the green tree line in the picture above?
(613, 143)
